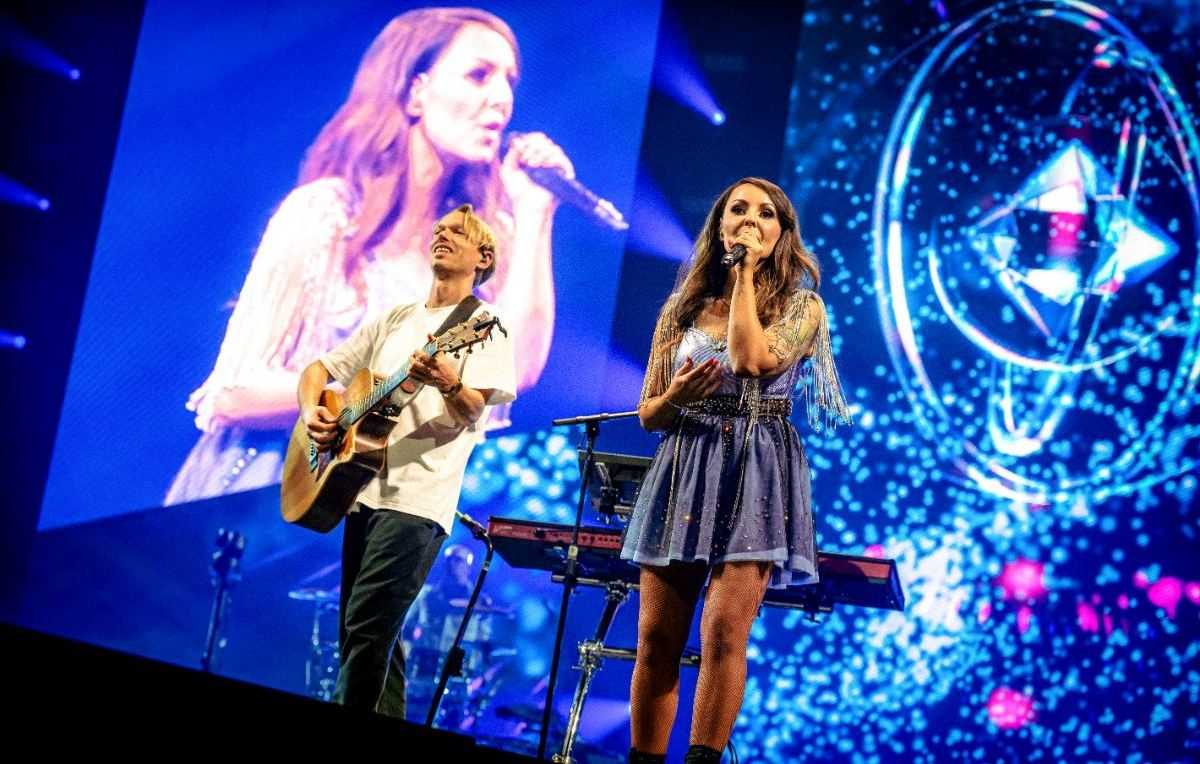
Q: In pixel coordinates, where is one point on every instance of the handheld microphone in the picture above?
(734, 256)
(578, 195)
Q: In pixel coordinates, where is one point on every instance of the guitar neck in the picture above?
(356, 410)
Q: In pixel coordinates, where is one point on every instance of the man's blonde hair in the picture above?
(480, 234)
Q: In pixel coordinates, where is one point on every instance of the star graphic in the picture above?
(1067, 233)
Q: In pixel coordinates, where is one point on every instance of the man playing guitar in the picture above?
(400, 519)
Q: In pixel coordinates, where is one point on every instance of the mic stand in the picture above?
(571, 572)
(231, 545)
(454, 659)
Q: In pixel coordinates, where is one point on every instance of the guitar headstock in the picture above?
(469, 333)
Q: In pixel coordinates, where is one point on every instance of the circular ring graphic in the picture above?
(1035, 240)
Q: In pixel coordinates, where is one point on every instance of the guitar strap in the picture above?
(460, 313)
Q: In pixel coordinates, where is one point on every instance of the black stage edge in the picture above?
(116, 697)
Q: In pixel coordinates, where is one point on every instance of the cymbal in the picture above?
(480, 607)
(314, 594)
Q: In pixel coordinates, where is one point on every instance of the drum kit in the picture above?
(426, 646)
(485, 659)
(321, 667)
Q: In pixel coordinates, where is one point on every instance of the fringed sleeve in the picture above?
(803, 330)
(660, 367)
(279, 323)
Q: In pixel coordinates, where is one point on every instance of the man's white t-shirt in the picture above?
(427, 451)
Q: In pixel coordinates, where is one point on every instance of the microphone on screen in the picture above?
(578, 195)
(574, 193)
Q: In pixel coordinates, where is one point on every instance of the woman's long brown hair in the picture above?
(366, 141)
(790, 265)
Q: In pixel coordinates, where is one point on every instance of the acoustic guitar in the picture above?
(320, 487)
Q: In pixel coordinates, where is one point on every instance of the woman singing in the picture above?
(726, 499)
(420, 134)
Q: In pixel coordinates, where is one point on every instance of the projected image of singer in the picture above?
(726, 499)
(421, 132)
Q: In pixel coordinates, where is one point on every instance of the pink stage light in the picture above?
(1009, 709)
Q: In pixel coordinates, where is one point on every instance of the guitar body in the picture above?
(318, 493)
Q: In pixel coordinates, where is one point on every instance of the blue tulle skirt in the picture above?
(723, 489)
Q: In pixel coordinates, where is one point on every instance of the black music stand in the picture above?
(571, 574)
(615, 479)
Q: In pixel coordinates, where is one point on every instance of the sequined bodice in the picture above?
(701, 346)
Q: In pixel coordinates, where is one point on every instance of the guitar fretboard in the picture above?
(356, 410)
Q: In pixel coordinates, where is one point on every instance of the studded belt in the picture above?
(734, 405)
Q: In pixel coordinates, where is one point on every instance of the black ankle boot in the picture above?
(702, 754)
(639, 757)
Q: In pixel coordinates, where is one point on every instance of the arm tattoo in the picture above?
(789, 336)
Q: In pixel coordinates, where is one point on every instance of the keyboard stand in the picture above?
(592, 653)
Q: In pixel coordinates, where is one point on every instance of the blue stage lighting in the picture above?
(655, 229)
(12, 192)
(678, 75)
(11, 340)
(19, 44)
